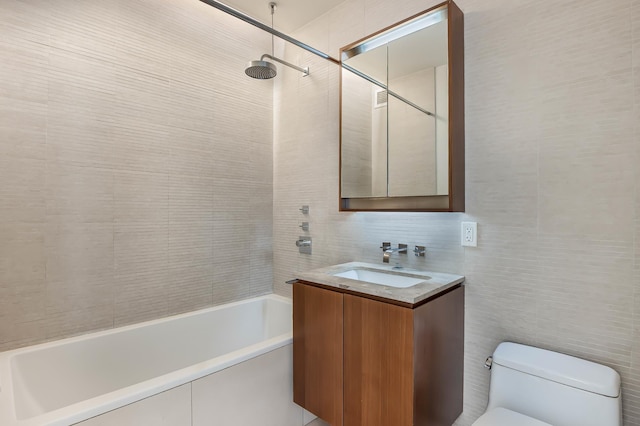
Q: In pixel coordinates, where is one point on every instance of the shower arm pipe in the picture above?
(385, 87)
(246, 18)
(305, 70)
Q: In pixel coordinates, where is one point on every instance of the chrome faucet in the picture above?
(388, 250)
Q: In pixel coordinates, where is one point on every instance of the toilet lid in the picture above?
(502, 417)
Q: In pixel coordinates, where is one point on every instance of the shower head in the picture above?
(261, 70)
(264, 70)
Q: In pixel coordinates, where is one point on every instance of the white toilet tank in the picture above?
(555, 388)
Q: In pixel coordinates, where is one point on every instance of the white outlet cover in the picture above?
(469, 234)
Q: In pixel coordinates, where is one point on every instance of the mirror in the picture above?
(397, 135)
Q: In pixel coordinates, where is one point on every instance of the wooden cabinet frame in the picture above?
(455, 200)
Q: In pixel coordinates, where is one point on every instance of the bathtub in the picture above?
(71, 380)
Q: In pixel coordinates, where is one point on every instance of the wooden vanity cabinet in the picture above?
(318, 351)
(359, 361)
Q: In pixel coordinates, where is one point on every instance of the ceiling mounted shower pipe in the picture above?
(264, 70)
(249, 20)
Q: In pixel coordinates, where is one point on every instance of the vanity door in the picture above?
(378, 363)
(317, 351)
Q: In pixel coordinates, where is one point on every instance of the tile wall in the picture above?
(553, 178)
(135, 164)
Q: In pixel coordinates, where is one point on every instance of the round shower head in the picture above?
(261, 70)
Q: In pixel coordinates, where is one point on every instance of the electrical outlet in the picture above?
(469, 234)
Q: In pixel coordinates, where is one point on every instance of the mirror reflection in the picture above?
(395, 111)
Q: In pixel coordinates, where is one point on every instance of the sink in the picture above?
(381, 277)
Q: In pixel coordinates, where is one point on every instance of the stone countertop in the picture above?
(434, 282)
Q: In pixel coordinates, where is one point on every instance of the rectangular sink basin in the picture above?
(382, 278)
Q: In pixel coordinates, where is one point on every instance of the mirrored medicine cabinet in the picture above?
(402, 116)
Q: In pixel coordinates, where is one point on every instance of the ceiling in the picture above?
(290, 14)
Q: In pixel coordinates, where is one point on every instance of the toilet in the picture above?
(537, 387)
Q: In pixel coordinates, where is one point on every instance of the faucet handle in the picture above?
(420, 251)
(385, 246)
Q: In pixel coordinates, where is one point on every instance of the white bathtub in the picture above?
(70, 380)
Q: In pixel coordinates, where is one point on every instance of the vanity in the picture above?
(377, 346)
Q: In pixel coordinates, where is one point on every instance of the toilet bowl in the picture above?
(536, 387)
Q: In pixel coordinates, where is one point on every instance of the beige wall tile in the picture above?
(23, 190)
(71, 322)
(238, 127)
(190, 244)
(25, 21)
(588, 297)
(140, 297)
(141, 197)
(141, 98)
(193, 141)
(93, 292)
(595, 30)
(190, 198)
(586, 158)
(190, 288)
(22, 143)
(22, 254)
(140, 146)
(87, 29)
(81, 88)
(144, 31)
(23, 95)
(191, 108)
(194, 155)
(80, 143)
(24, 71)
(76, 251)
(22, 301)
(80, 278)
(16, 333)
(141, 272)
(230, 250)
(79, 194)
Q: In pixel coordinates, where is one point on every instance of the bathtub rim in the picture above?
(118, 398)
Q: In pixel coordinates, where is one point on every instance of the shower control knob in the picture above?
(303, 243)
